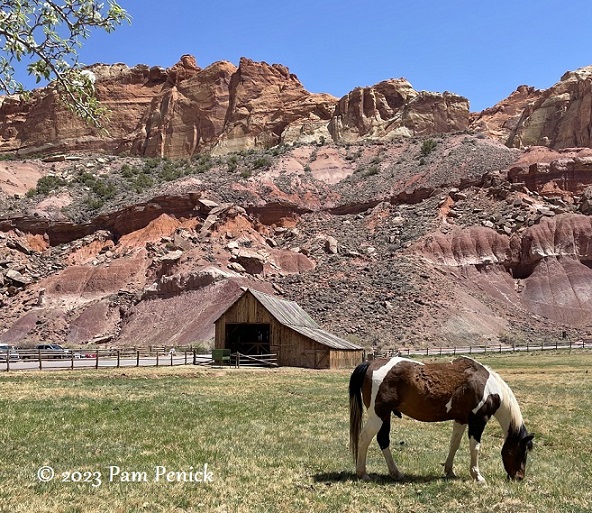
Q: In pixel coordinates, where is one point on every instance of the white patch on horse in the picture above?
(449, 406)
(379, 374)
(491, 388)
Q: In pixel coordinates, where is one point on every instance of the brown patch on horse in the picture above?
(432, 392)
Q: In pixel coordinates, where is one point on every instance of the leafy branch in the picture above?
(48, 35)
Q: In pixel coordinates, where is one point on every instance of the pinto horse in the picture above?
(463, 391)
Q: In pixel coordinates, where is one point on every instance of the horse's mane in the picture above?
(509, 403)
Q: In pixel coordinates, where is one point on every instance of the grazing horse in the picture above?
(463, 391)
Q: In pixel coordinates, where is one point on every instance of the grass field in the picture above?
(273, 441)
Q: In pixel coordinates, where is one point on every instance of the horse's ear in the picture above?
(527, 441)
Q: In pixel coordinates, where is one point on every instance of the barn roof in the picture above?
(291, 314)
(325, 338)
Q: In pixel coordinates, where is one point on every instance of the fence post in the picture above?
(500, 348)
(8, 359)
(185, 351)
(72, 360)
(39, 354)
(157, 357)
(137, 358)
(470, 349)
(97, 359)
(171, 359)
(194, 357)
(118, 358)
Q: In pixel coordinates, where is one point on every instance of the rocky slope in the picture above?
(381, 243)
(381, 213)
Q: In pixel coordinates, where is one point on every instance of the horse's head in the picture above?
(514, 453)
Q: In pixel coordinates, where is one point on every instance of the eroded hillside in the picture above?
(450, 239)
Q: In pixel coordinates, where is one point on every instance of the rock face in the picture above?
(393, 108)
(561, 117)
(501, 120)
(545, 270)
(186, 110)
(563, 177)
(174, 112)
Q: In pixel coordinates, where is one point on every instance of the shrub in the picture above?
(261, 162)
(48, 184)
(371, 171)
(428, 146)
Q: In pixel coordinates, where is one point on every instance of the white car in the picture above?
(9, 351)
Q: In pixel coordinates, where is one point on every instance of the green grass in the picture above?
(276, 441)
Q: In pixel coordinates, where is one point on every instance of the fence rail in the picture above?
(258, 360)
(485, 349)
(30, 359)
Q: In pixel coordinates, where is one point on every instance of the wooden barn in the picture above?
(257, 323)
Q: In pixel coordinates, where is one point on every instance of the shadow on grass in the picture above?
(342, 477)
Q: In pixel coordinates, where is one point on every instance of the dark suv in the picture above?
(53, 350)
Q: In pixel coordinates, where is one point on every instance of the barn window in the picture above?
(248, 338)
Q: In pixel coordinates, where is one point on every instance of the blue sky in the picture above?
(479, 49)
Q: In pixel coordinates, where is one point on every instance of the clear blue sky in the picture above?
(479, 49)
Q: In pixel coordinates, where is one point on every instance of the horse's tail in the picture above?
(355, 406)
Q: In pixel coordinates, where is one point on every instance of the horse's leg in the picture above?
(476, 427)
(369, 431)
(383, 440)
(457, 433)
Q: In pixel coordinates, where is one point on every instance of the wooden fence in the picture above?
(31, 359)
(484, 349)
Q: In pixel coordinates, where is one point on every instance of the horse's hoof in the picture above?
(450, 474)
(398, 476)
(364, 477)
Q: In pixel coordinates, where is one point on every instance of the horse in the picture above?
(464, 391)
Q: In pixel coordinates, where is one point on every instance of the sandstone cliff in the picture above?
(174, 112)
(561, 116)
(393, 109)
(501, 120)
(186, 110)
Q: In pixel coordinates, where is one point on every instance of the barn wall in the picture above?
(341, 359)
(300, 351)
(246, 310)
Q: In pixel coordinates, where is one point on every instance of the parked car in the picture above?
(53, 351)
(8, 351)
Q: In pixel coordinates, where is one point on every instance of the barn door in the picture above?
(250, 339)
